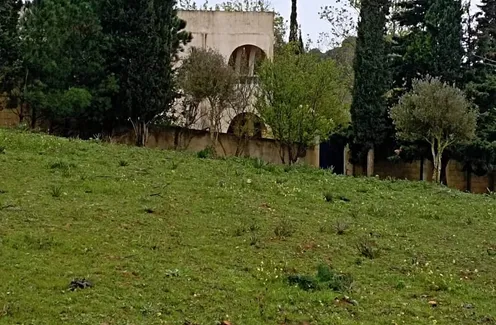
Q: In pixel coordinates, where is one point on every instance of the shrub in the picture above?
(207, 153)
(304, 282)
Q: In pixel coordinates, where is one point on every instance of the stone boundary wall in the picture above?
(456, 177)
(175, 138)
(8, 117)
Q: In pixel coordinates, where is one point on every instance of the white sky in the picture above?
(308, 14)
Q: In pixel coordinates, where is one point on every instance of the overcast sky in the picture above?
(308, 14)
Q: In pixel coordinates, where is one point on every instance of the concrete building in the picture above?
(243, 38)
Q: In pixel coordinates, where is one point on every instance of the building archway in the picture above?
(246, 59)
(247, 125)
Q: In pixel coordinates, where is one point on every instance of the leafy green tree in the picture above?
(368, 110)
(145, 37)
(205, 77)
(9, 43)
(64, 78)
(300, 99)
(436, 113)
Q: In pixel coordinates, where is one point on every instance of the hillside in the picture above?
(169, 238)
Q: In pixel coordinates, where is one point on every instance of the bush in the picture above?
(207, 153)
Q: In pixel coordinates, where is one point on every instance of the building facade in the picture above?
(243, 38)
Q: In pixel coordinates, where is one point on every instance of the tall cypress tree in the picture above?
(146, 36)
(293, 22)
(368, 109)
(9, 43)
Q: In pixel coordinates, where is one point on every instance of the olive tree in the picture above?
(437, 113)
(300, 99)
(206, 79)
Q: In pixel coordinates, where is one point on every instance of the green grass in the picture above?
(169, 238)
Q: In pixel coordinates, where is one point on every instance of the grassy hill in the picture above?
(169, 238)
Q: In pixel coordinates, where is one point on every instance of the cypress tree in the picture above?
(368, 109)
(293, 22)
(146, 36)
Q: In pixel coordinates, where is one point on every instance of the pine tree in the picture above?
(444, 24)
(146, 36)
(482, 88)
(432, 44)
(368, 109)
(9, 43)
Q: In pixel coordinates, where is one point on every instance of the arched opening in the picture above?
(247, 125)
(246, 60)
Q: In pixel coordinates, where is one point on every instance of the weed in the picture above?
(324, 273)
(367, 248)
(254, 239)
(56, 191)
(254, 227)
(239, 231)
(258, 163)
(400, 285)
(341, 227)
(284, 229)
(281, 180)
(271, 168)
(123, 163)
(207, 153)
(288, 168)
(62, 165)
(2, 150)
(340, 282)
(328, 196)
(174, 165)
(305, 282)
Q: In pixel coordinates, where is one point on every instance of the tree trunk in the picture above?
(141, 133)
(436, 159)
(370, 162)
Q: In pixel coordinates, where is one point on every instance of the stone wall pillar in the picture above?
(348, 166)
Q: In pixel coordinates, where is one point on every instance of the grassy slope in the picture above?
(214, 221)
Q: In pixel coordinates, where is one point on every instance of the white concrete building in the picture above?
(243, 38)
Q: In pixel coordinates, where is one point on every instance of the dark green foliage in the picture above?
(293, 22)
(9, 43)
(145, 37)
(326, 278)
(433, 44)
(208, 152)
(368, 109)
(305, 282)
(64, 78)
